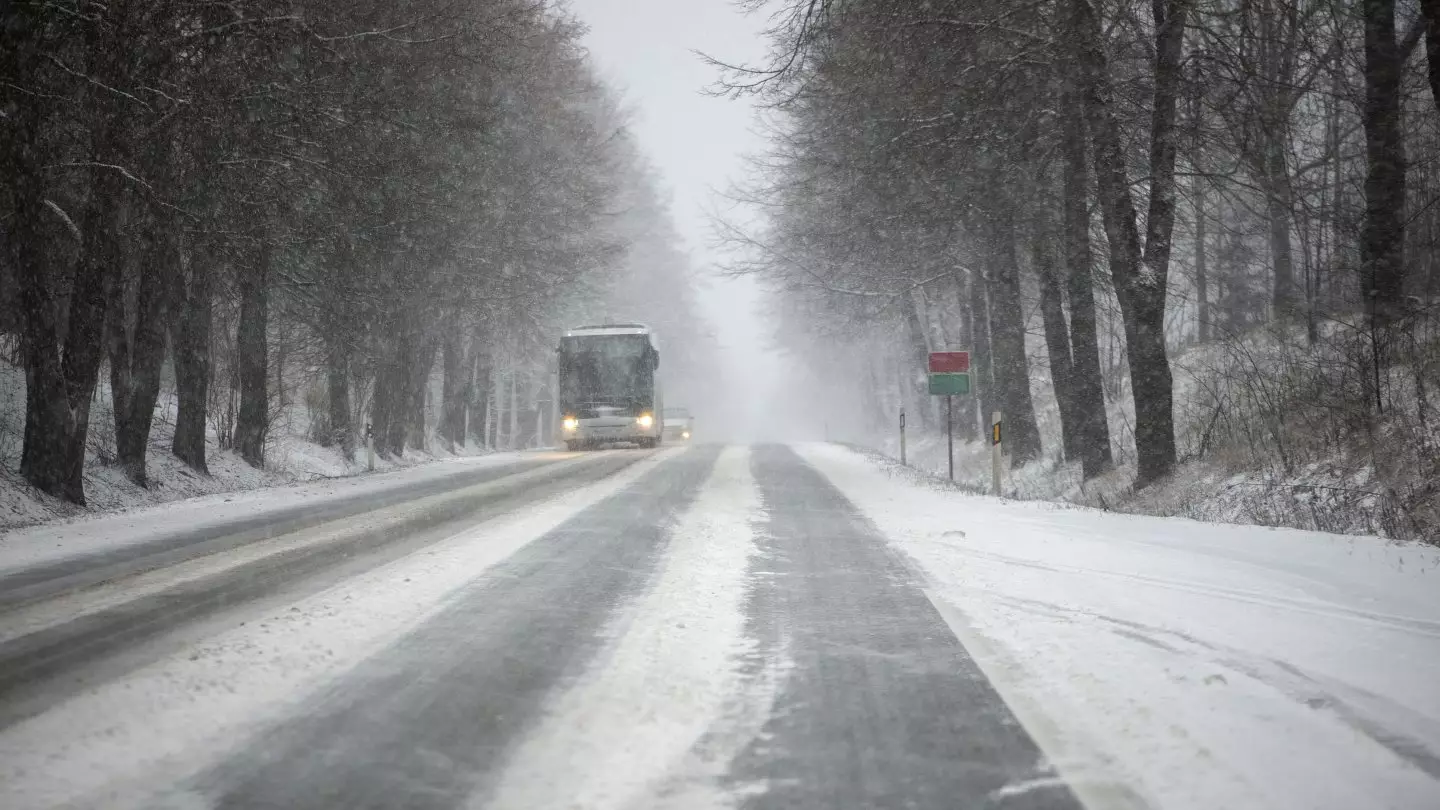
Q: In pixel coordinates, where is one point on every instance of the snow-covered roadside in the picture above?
(629, 734)
(115, 745)
(1201, 665)
(107, 490)
(36, 545)
(289, 458)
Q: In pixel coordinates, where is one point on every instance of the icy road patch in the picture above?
(1196, 665)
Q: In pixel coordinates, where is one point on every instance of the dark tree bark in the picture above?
(1057, 345)
(398, 409)
(1202, 267)
(62, 345)
(417, 393)
(1431, 10)
(479, 400)
(1140, 279)
(967, 426)
(337, 378)
(982, 376)
(252, 344)
(1382, 236)
(455, 393)
(136, 345)
(386, 426)
(1279, 211)
(919, 363)
(1089, 393)
(1010, 367)
(190, 340)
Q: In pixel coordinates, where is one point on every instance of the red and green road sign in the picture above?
(949, 373)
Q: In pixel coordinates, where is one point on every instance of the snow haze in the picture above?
(648, 50)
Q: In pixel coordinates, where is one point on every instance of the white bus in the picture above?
(609, 386)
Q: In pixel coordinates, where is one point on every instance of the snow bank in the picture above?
(290, 458)
(36, 545)
(1194, 665)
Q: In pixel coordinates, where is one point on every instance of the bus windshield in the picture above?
(605, 370)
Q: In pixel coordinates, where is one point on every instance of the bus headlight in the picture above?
(645, 420)
(570, 423)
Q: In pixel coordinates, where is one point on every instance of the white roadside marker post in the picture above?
(995, 468)
(369, 448)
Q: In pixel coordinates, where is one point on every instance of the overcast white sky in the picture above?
(646, 49)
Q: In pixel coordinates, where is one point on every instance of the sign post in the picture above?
(995, 448)
(369, 448)
(949, 376)
(950, 433)
(902, 437)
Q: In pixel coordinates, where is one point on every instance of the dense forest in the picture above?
(380, 211)
(1202, 230)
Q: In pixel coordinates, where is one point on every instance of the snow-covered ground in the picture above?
(156, 725)
(1333, 497)
(629, 734)
(289, 458)
(90, 534)
(1178, 664)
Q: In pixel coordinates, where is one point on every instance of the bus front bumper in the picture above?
(586, 433)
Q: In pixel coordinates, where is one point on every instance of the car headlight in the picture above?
(645, 420)
(684, 434)
(570, 423)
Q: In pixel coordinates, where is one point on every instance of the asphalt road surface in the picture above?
(692, 627)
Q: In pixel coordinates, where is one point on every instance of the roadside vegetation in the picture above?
(1169, 233)
(262, 222)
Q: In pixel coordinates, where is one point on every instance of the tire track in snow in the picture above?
(660, 714)
(1329, 610)
(124, 742)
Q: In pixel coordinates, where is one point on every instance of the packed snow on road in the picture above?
(732, 627)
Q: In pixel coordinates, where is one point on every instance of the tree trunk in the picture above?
(918, 390)
(967, 427)
(1010, 367)
(385, 403)
(252, 345)
(1279, 209)
(497, 405)
(514, 435)
(1086, 379)
(1382, 237)
(137, 347)
(1139, 280)
(1202, 282)
(59, 378)
(982, 369)
(455, 390)
(337, 388)
(1057, 346)
(60, 387)
(480, 395)
(62, 348)
(1431, 10)
(191, 349)
(418, 389)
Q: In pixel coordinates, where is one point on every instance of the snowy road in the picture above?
(707, 627)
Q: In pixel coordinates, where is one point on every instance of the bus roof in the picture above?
(609, 329)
